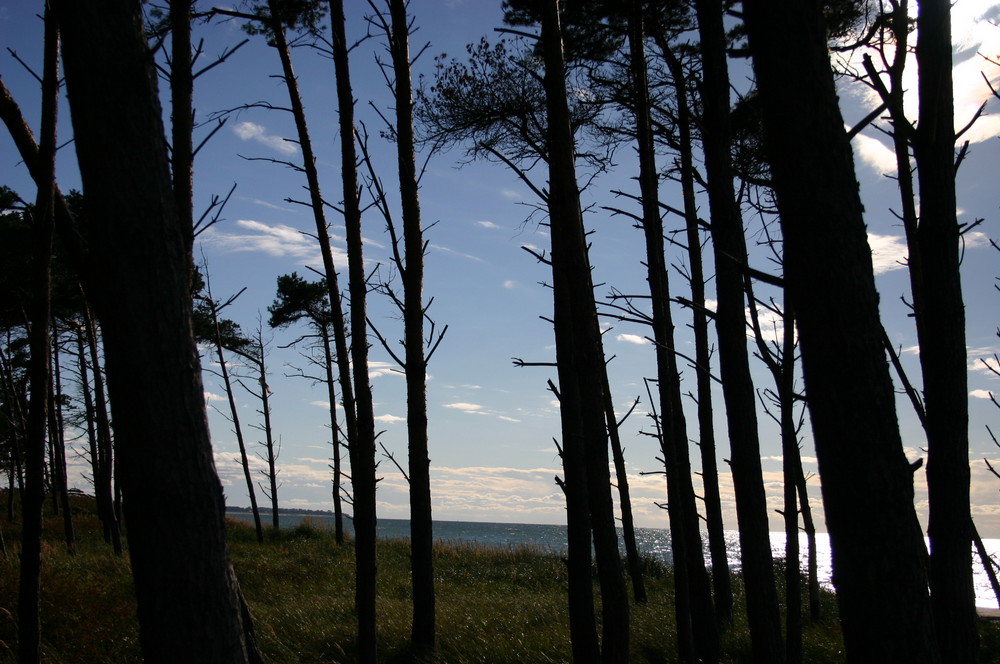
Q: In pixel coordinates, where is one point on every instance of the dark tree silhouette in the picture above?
(940, 316)
(362, 442)
(878, 566)
(410, 264)
(729, 245)
(698, 637)
(224, 334)
(580, 363)
(40, 306)
(297, 299)
(137, 272)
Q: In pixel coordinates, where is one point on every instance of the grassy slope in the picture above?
(493, 605)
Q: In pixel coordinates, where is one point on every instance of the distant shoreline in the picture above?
(281, 510)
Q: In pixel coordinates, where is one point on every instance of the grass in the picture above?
(494, 605)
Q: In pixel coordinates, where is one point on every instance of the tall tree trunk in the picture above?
(812, 573)
(791, 468)
(138, 273)
(632, 556)
(362, 445)
(58, 443)
(412, 274)
(580, 360)
(338, 511)
(29, 589)
(234, 413)
(867, 484)
(694, 610)
(989, 566)
(18, 427)
(940, 317)
(88, 402)
(721, 574)
(272, 472)
(103, 474)
(737, 384)
(182, 114)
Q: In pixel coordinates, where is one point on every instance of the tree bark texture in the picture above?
(737, 384)
(580, 362)
(940, 317)
(362, 445)
(867, 484)
(412, 274)
(698, 636)
(137, 274)
(33, 496)
(721, 574)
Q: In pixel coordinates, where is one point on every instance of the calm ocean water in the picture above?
(654, 542)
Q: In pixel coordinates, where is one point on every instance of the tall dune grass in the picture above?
(495, 605)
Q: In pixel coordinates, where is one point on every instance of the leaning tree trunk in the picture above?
(234, 413)
(58, 445)
(721, 574)
(867, 484)
(138, 269)
(940, 319)
(103, 465)
(580, 361)
(737, 384)
(632, 556)
(698, 636)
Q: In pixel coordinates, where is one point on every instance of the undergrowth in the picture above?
(494, 605)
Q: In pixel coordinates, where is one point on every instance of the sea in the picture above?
(653, 542)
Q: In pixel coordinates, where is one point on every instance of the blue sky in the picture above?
(491, 424)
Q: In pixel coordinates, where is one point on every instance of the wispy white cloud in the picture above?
(486, 224)
(509, 283)
(277, 240)
(389, 419)
(875, 154)
(378, 368)
(772, 325)
(632, 339)
(976, 240)
(980, 394)
(251, 131)
(464, 407)
(211, 396)
(889, 252)
(984, 361)
(447, 250)
(973, 33)
(267, 204)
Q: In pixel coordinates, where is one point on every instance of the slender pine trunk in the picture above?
(362, 445)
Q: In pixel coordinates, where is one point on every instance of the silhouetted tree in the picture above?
(698, 637)
(362, 442)
(224, 334)
(878, 566)
(297, 299)
(729, 245)
(410, 265)
(39, 375)
(580, 362)
(137, 272)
